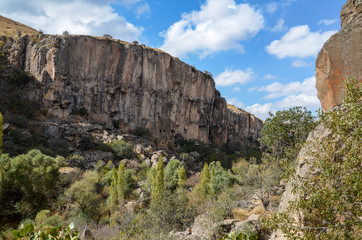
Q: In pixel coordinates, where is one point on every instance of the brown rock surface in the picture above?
(340, 57)
(133, 84)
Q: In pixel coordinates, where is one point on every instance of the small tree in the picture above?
(182, 178)
(27, 181)
(171, 174)
(158, 188)
(203, 187)
(108, 36)
(285, 133)
(65, 33)
(84, 193)
(114, 190)
(121, 182)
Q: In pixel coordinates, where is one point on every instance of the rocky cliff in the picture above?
(135, 85)
(340, 57)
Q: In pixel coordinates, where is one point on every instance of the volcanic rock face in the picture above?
(133, 84)
(340, 57)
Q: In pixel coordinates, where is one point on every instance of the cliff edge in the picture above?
(129, 84)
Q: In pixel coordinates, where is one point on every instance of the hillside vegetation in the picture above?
(10, 28)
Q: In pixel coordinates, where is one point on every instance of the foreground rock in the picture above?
(129, 86)
(340, 57)
(304, 170)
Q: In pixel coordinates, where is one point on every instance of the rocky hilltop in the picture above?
(340, 57)
(129, 84)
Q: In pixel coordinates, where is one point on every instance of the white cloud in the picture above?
(76, 16)
(269, 76)
(236, 89)
(327, 22)
(143, 8)
(279, 26)
(303, 99)
(294, 94)
(235, 102)
(301, 63)
(228, 77)
(277, 89)
(261, 111)
(219, 25)
(271, 7)
(299, 42)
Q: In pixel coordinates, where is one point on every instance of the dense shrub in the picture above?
(141, 131)
(26, 181)
(123, 149)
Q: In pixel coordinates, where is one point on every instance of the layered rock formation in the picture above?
(135, 85)
(340, 57)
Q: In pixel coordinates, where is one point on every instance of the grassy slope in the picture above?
(11, 28)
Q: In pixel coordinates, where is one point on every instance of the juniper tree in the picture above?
(158, 187)
(113, 191)
(121, 182)
(203, 187)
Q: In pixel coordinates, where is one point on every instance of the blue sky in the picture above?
(261, 52)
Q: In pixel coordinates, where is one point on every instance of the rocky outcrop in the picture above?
(340, 57)
(132, 84)
(304, 170)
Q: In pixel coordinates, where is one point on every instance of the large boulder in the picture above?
(340, 57)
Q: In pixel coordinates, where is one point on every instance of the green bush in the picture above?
(85, 195)
(123, 149)
(87, 143)
(27, 181)
(141, 131)
(59, 233)
(171, 174)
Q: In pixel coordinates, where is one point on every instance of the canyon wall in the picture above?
(133, 84)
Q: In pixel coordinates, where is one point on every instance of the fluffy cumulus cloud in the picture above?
(219, 25)
(75, 16)
(277, 89)
(229, 77)
(299, 42)
(293, 94)
(261, 111)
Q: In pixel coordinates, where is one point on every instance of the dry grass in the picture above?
(13, 29)
(235, 109)
(242, 214)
